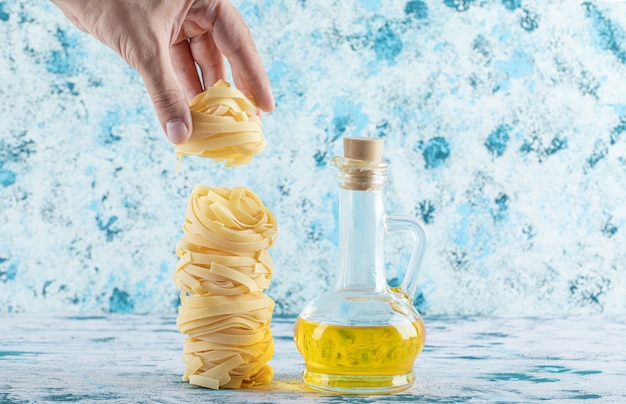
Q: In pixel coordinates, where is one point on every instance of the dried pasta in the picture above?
(223, 268)
(226, 127)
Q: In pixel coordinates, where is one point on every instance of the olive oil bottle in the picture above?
(362, 336)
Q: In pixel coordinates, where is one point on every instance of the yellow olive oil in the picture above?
(362, 356)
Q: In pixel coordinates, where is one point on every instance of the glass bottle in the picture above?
(362, 336)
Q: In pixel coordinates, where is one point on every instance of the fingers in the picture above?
(209, 58)
(185, 69)
(169, 100)
(233, 39)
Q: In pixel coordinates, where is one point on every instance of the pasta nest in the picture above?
(226, 237)
(226, 127)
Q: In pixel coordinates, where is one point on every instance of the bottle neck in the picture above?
(361, 232)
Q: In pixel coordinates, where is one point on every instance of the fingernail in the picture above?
(176, 131)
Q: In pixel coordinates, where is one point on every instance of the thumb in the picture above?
(168, 98)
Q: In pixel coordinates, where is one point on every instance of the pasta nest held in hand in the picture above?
(226, 126)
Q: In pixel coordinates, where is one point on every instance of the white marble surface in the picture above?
(132, 358)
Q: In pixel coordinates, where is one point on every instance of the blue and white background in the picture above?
(504, 126)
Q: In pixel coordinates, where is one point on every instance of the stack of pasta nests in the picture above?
(224, 267)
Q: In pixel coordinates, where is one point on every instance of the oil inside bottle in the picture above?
(359, 358)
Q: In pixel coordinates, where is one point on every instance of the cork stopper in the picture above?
(363, 148)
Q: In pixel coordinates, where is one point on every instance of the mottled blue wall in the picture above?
(504, 124)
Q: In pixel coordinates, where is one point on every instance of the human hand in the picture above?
(165, 39)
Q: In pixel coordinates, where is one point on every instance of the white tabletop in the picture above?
(134, 359)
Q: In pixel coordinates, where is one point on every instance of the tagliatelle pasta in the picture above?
(226, 126)
(223, 268)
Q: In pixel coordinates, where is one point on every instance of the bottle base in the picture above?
(358, 384)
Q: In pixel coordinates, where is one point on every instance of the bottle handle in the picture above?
(409, 285)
